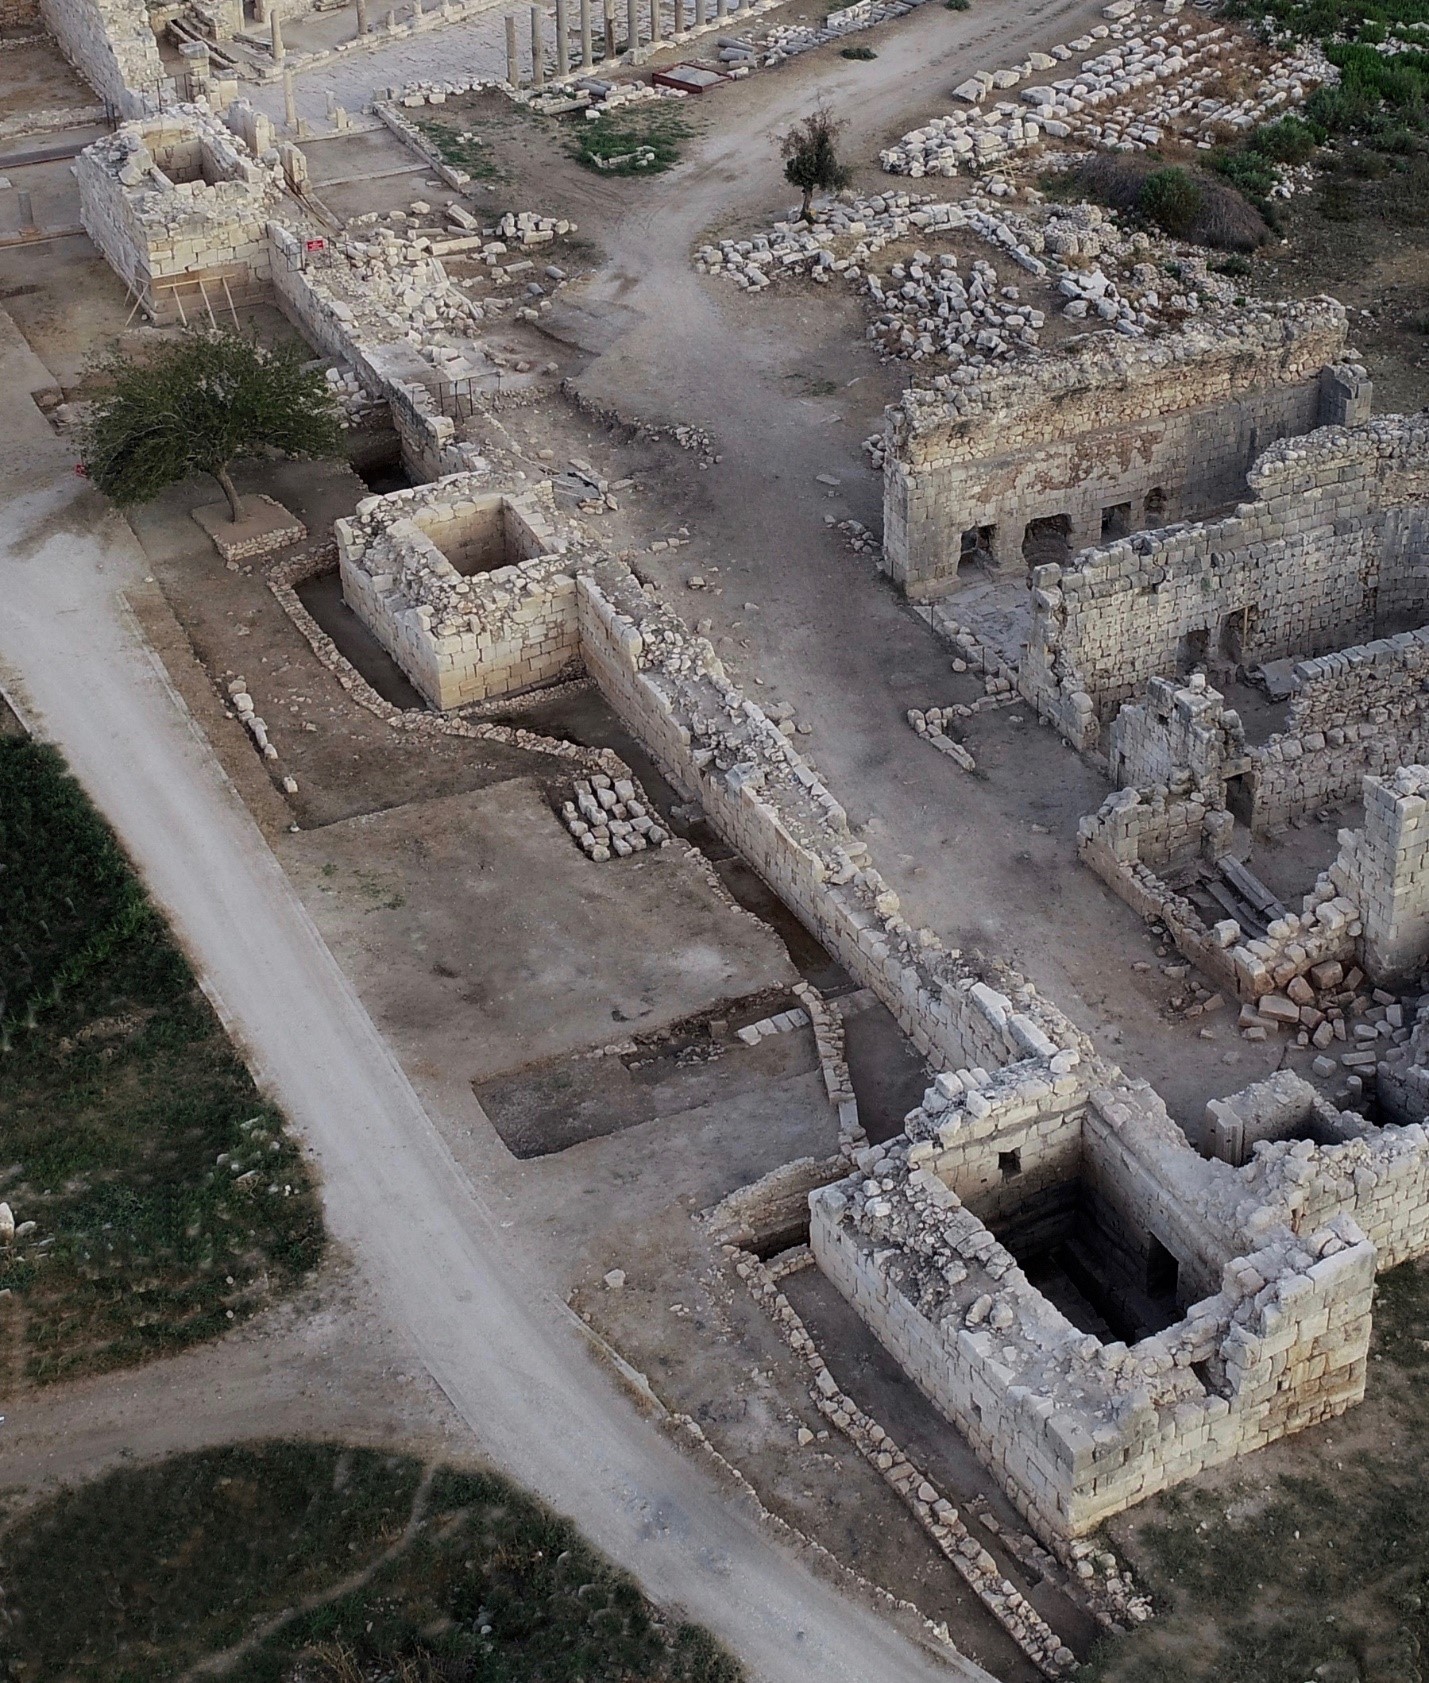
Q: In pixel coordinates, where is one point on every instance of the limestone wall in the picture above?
(1181, 416)
(112, 45)
(1181, 736)
(717, 746)
(179, 199)
(1299, 570)
(1076, 1430)
(462, 638)
(390, 371)
(1358, 712)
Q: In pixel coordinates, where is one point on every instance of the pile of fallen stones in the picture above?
(932, 725)
(607, 818)
(927, 306)
(1136, 90)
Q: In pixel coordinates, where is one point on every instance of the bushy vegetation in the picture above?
(1314, 1562)
(143, 1574)
(167, 1199)
(858, 52)
(1171, 199)
(1180, 202)
(649, 137)
(1379, 95)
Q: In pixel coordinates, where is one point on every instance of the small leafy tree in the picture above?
(811, 160)
(197, 406)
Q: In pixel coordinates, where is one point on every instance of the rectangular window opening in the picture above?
(1116, 521)
(1009, 1163)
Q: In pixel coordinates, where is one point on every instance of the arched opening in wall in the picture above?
(1047, 541)
(976, 547)
(1155, 506)
(1116, 522)
(1193, 650)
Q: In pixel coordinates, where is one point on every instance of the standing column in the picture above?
(538, 48)
(563, 41)
(655, 22)
(513, 74)
(632, 25)
(290, 103)
(699, 14)
(279, 50)
(587, 58)
(608, 7)
(361, 17)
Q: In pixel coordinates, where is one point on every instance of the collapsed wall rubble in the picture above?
(1162, 428)
(1335, 540)
(1369, 910)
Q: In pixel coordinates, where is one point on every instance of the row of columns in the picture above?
(704, 11)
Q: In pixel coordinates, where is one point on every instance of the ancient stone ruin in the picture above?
(1034, 464)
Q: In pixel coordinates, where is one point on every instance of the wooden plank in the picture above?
(1244, 915)
(1246, 883)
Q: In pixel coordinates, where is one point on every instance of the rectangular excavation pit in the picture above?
(1089, 1259)
(693, 1066)
(482, 536)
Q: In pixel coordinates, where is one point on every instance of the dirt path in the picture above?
(427, 1245)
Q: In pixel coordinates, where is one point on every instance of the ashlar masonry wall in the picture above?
(176, 201)
(459, 636)
(112, 45)
(1301, 569)
(1074, 1429)
(1168, 425)
(717, 746)
(1359, 712)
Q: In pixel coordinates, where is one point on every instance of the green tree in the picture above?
(198, 405)
(811, 160)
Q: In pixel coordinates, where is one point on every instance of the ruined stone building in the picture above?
(1219, 1302)
(1099, 441)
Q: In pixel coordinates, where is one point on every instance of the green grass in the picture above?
(459, 148)
(658, 126)
(140, 1575)
(119, 1091)
(1317, 1556)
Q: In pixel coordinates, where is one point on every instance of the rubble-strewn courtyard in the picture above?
(816, 818)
